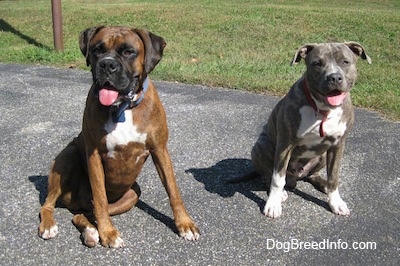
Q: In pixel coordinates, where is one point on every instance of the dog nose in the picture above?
(335, 78)
(110, 65)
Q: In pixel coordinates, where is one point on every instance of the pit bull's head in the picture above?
(331, 70)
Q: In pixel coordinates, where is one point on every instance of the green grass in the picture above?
(237, 44)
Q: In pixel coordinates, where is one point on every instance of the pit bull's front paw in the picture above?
(273, 208)
(338, 206)
(284, 196)
(112, 239)
(188, 231)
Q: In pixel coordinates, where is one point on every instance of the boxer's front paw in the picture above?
(90, 237)
(338, 206)
(117, 243)
(111, 239)
(47, 232)
(273, 207)
(47, 227)
(188, 230)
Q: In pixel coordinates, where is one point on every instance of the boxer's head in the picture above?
(331, 70)
(120, 58)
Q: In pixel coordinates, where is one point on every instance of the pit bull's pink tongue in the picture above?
(107, 96)
(336, 97)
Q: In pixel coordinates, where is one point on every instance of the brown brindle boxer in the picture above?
(123, 122)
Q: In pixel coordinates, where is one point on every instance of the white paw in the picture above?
(189, 235)
(284, 196)
(338, 206)
(118, 243)
(90, 237)
(277, 195)
(273, 208)
(50, 233)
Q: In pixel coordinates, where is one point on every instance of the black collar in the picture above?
(131, 100)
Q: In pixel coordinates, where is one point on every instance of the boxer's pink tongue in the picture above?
(107, 96)
(336, 97)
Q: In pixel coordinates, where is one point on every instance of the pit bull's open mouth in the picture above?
(108, 95)
(335, 98)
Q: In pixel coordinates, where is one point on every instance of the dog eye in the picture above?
(317, 63)
(346, 62)
(97, 51)
(129, 53)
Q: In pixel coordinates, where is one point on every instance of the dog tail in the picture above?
(244, 178)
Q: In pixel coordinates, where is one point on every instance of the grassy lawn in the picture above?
(244, 44)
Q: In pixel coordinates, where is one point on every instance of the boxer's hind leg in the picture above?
(85, 221)
(89, 234)
(65, 170)
(126, 202)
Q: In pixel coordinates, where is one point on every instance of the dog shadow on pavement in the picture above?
(216, 180)
(166, 220)
(40, 182)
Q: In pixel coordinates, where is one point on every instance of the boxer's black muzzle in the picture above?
(111, 72)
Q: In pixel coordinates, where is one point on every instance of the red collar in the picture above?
(314, 106)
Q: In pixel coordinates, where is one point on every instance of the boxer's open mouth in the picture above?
(108, 94)
(335, 98)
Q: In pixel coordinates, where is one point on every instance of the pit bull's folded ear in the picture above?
(302, 52)
(84, 40)
(154, 46)
(358, 50)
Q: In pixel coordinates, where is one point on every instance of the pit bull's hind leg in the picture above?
(315, 178)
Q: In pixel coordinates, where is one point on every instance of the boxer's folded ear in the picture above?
(84, 39)
(154, 46)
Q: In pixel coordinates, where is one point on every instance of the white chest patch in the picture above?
(310, 123)
(122, 133)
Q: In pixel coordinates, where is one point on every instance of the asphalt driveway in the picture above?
(211, 135)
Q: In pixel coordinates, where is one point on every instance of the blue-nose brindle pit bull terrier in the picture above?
(306, 131)
(123, 123)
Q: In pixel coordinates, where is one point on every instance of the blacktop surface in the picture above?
(212, 131)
